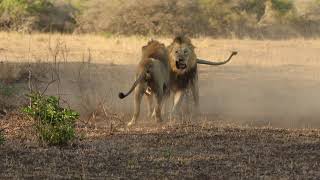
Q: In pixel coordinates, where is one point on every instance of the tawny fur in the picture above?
(181, 51)
(183, 79)
(152, 74)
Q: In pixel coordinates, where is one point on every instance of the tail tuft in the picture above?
(121, 95)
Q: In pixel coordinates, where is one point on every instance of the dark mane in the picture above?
(156, 50)
(180, 39)
(183, 80)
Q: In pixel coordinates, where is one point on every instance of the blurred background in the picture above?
(216, 18)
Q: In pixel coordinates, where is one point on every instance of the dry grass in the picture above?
(16, 47)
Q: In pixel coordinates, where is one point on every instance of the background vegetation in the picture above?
(218, 18)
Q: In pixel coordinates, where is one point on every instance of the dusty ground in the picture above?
(259, 119)
(200, 150)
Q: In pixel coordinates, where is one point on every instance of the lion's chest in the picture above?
(183, 81)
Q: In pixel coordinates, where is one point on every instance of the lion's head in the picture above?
(181, 55)
(155, 49)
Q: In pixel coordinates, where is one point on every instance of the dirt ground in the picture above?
(235, 138)
(260, 117)
(201, 150)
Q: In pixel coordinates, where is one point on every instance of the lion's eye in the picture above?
(177, 51)
(185, 51)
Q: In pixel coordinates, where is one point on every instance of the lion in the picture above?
(184, 71)
(152, 80)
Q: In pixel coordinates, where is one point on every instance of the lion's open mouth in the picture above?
(180, 65)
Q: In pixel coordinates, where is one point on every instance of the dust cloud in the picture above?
(283, 96)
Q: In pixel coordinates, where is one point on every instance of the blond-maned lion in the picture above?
(152, 79)
(183, 70)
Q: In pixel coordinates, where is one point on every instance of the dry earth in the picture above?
(181, 151)
(260, 112)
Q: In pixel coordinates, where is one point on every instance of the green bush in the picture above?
(54, 124)
(39, 15)
(254, 7)
(282, 6)
(17, 8)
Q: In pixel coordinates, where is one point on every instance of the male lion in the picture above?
(152, 79)
(183, 70)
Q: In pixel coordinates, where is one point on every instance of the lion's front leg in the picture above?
(195, 94)
(178, 96)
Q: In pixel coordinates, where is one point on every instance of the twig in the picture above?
(30, 87)
(51, 82)
(104, 111)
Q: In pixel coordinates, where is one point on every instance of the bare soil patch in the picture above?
(193, 150)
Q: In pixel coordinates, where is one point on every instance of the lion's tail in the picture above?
(138, 80)
(201, 61)
(144, 75)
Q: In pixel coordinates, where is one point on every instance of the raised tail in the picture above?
(200, 61)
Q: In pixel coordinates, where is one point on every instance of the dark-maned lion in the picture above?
(153, 75)
(183, 70)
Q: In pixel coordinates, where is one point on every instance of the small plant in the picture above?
(167, 153)
(2, 139)
(54, 124)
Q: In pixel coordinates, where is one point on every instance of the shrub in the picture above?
(227, 17)
(96, 15)
(219, 18)
(254, 7)
(282, 6)
(54, 124)
(40, 15)
(165, 17)
(19, 13)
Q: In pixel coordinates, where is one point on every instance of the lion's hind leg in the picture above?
(150, 104)
(158, 107)
(138, 93)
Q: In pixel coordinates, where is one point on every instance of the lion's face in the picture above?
(182, 56)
